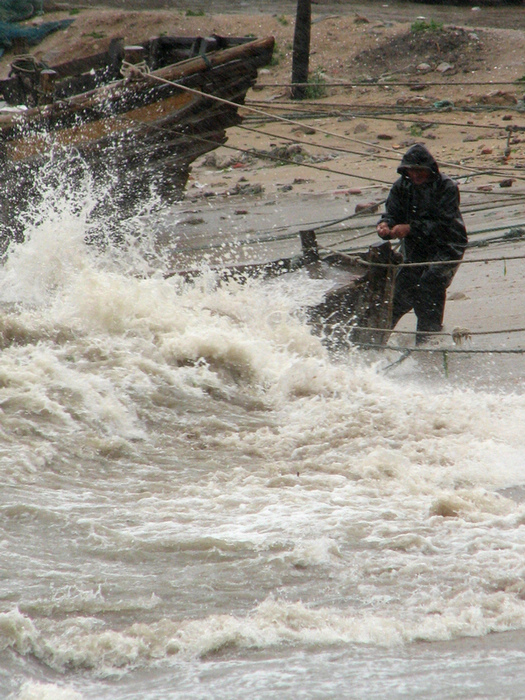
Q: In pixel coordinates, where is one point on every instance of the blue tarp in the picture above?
(19, 10)
(13, 11)
(33, 35)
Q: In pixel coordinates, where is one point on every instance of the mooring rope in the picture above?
(405, 350)
(472, 172)
(457, 334)
(416, 83)
(453, 351)
(369, 263)
(266, 114)
(130, 71)
(337, 149)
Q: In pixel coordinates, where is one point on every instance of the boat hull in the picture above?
(139, 134)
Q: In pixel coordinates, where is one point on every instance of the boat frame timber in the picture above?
(138, 133)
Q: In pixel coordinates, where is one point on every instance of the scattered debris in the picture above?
(246, 189)
(444, 105)
(498, 97)
(461, 334)
(368, 207)
(444, 67)
(307, 130)
(194, 221)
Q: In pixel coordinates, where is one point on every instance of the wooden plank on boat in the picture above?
(145, 129)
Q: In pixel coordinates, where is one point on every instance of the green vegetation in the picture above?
(195, 13)
(316, 87)
(74, 11)
(420, 25)
(276, 56)
(96, 35)
(416, 131)
(282, 20)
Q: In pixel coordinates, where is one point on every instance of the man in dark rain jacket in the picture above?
(422, 210)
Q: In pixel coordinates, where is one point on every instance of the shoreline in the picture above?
(342, 149)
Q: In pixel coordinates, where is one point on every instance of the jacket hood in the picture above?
(418, 156)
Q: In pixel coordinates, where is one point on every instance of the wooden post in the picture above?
(20, 46)
(301, 48)
(47, 85)
(309, 246)
(134, 54)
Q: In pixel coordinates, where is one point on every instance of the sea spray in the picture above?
(188, 474)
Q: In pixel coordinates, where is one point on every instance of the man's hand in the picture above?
(400, 230)
(383, 230)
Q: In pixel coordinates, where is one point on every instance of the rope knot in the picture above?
(461, 334)
(134, 71)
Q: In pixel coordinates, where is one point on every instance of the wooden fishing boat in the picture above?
(136, 116)
(357, 307)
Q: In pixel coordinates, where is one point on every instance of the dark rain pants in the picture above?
(423, 289)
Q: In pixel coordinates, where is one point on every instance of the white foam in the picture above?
(203, 426)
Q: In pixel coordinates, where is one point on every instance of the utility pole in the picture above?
(301, 48)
